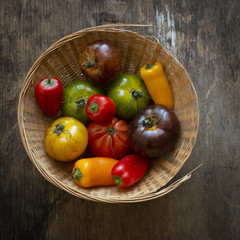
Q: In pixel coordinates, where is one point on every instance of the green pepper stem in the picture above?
(150, 65)
(48, 82)
(118, 180)
(77, 174)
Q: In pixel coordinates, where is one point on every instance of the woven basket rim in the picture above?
(25, 85)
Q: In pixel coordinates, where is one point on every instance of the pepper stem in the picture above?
(118, 180)
(150, 65)
(48, 82)
(77, 174)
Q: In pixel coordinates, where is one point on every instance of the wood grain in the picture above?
(204, 36)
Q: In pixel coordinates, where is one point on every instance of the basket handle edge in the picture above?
(121, 25)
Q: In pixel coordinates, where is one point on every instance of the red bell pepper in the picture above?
(49, 95)
(130, 170)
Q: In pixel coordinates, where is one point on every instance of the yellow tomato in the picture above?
(66, 139)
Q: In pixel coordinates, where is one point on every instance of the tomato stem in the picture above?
(59, 129)
(111, 131)
(81, 102)
(91, 62)
(135, 93)
(93, 107)
(135, 96)
(151, 120)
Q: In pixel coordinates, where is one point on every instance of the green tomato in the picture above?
(76, 95)
(129, 94)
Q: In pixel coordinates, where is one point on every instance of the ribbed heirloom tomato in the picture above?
(155, 131)
(66, 139)
(100, 62)
(76, 95)
(129, 95)
(109, 140)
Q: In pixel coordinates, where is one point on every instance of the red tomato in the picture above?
(130, 170)
(49, 95)
(100, 108)
(109, 140)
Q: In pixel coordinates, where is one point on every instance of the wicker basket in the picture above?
(61, 61)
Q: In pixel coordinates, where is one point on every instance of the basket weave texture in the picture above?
(61, 61)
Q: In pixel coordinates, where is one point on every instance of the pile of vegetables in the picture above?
(123, 120)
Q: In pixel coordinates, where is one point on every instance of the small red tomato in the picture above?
(100, 108)
(130, 170)
(49, 95)
(109, 139)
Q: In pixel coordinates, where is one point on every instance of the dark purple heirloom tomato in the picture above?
(154, 131)
(100, 62)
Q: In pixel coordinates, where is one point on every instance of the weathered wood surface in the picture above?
(204, 36)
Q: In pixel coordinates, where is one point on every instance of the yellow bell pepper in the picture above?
(157, 84)
(95, 171)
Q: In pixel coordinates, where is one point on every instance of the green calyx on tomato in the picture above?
(60, 129)
(76, 95)
(111, 131)
(129, 95)
(93, 107)
(150, 121)
(90, 62)
(80, 102)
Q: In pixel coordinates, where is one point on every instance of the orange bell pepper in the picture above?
(157, 84)
(95, 171)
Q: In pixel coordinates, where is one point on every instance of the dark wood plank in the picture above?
(204, 35)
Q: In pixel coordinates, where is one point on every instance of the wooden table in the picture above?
(204, 36)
